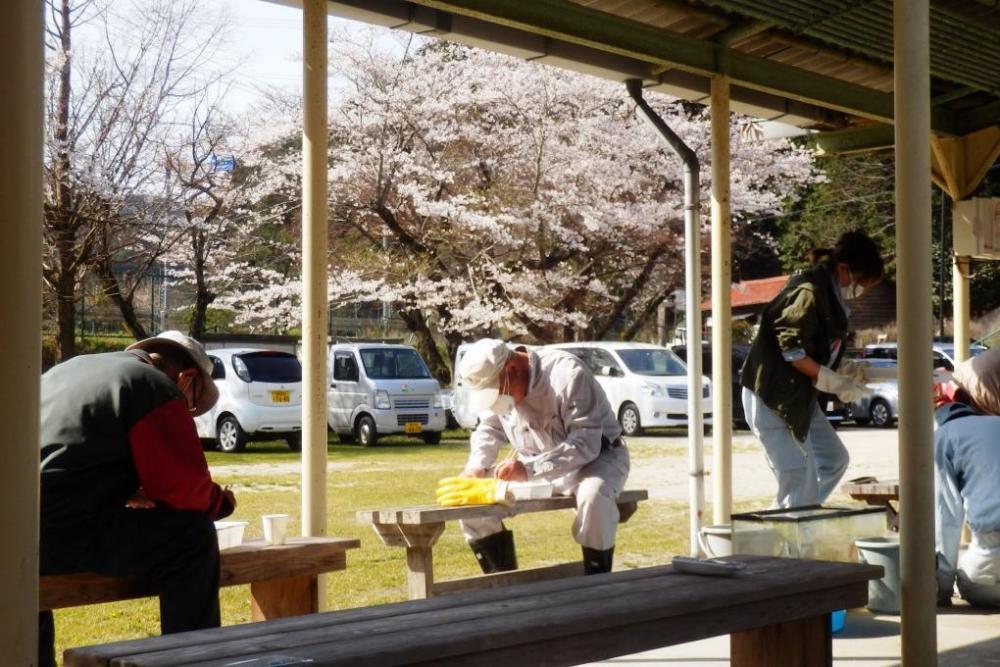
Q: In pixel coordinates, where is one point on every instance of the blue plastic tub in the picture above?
(837, 619)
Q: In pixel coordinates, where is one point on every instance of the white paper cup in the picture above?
(275, 526)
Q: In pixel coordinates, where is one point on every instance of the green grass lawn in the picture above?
(398, 471)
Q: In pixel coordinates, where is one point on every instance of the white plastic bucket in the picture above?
(883, 594)
(717, 541)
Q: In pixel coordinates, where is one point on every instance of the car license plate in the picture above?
(412, 427)
(281, 397)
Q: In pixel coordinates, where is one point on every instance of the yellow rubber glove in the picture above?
(454, 491)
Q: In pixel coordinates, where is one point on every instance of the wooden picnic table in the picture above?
(282, 577)
(776, 611)
(418, 529)
(877, 493)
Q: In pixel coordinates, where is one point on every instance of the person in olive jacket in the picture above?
(125, 488)
(794, 356)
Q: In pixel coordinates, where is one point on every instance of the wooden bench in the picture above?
(777, 612)
(877, 494)
(418, 529)
(282, 577)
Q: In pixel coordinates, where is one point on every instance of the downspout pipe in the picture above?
(692, 310)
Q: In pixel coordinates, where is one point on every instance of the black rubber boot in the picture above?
(596, 561)
(495, 552)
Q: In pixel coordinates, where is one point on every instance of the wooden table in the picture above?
(874, 492)
(777, 612)
(282, 578)
(418, 528)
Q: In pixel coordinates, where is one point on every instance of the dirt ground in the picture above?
(873, 453)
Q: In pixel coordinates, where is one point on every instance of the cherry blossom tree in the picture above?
(486, 195)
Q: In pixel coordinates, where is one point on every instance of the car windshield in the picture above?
(389, 364)
(272, 367)
(652, 362)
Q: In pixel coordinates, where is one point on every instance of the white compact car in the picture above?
(646, 384)
(260, 398)
(381, 389)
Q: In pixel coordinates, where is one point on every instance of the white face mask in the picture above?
(851, 291)
(505, 402)
(503, 405)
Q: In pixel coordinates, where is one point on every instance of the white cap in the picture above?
(480, 372)
(193, 349)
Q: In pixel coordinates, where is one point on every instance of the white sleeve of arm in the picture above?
(485, 442)
(581, 411)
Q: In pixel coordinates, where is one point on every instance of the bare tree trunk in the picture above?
(66, 271)
(66, 315)
(628, 296)
(644, 316)
(417, 324)
(112, 290)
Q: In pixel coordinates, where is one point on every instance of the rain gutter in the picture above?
(692, 309)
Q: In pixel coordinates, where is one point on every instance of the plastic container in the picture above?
(230, 533)
(531, 490)
(837, 620)
(813, 532)
(717, 541)
(883, 594)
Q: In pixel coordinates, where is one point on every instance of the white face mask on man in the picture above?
(505, 402)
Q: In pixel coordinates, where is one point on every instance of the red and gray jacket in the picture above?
(112, 424)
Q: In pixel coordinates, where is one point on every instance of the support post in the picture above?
(21, 86)
(960, 300)
(911, 32)
(314, 272)
(722, 321)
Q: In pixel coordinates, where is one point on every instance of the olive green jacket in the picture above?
(806, 315)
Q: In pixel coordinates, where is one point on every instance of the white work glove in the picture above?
(846, 389)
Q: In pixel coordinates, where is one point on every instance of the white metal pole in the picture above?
(914, 272)
(960, 306)
(722, 321)
(21, 87)
(314, 271)
(692, 309)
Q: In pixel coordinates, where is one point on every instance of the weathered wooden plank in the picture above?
(499, 579)
(422, 514)
(484, 622)
(252, 561)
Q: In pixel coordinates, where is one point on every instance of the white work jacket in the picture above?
(558, 427)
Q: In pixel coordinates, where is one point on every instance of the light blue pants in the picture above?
(807, 472)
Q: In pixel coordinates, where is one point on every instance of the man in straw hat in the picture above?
(967, 471)
(548, 407)
(125, 488)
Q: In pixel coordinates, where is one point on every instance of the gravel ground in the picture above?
(659, 463)
(873, 453)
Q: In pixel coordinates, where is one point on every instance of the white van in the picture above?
(380, 389)
(646, 384)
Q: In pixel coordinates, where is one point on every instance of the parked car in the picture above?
(943, 353)
(380, 389)
(880, 407)
(739, 355)
(646, 384)
(260, 398)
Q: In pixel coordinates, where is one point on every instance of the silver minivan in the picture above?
(381, 389)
